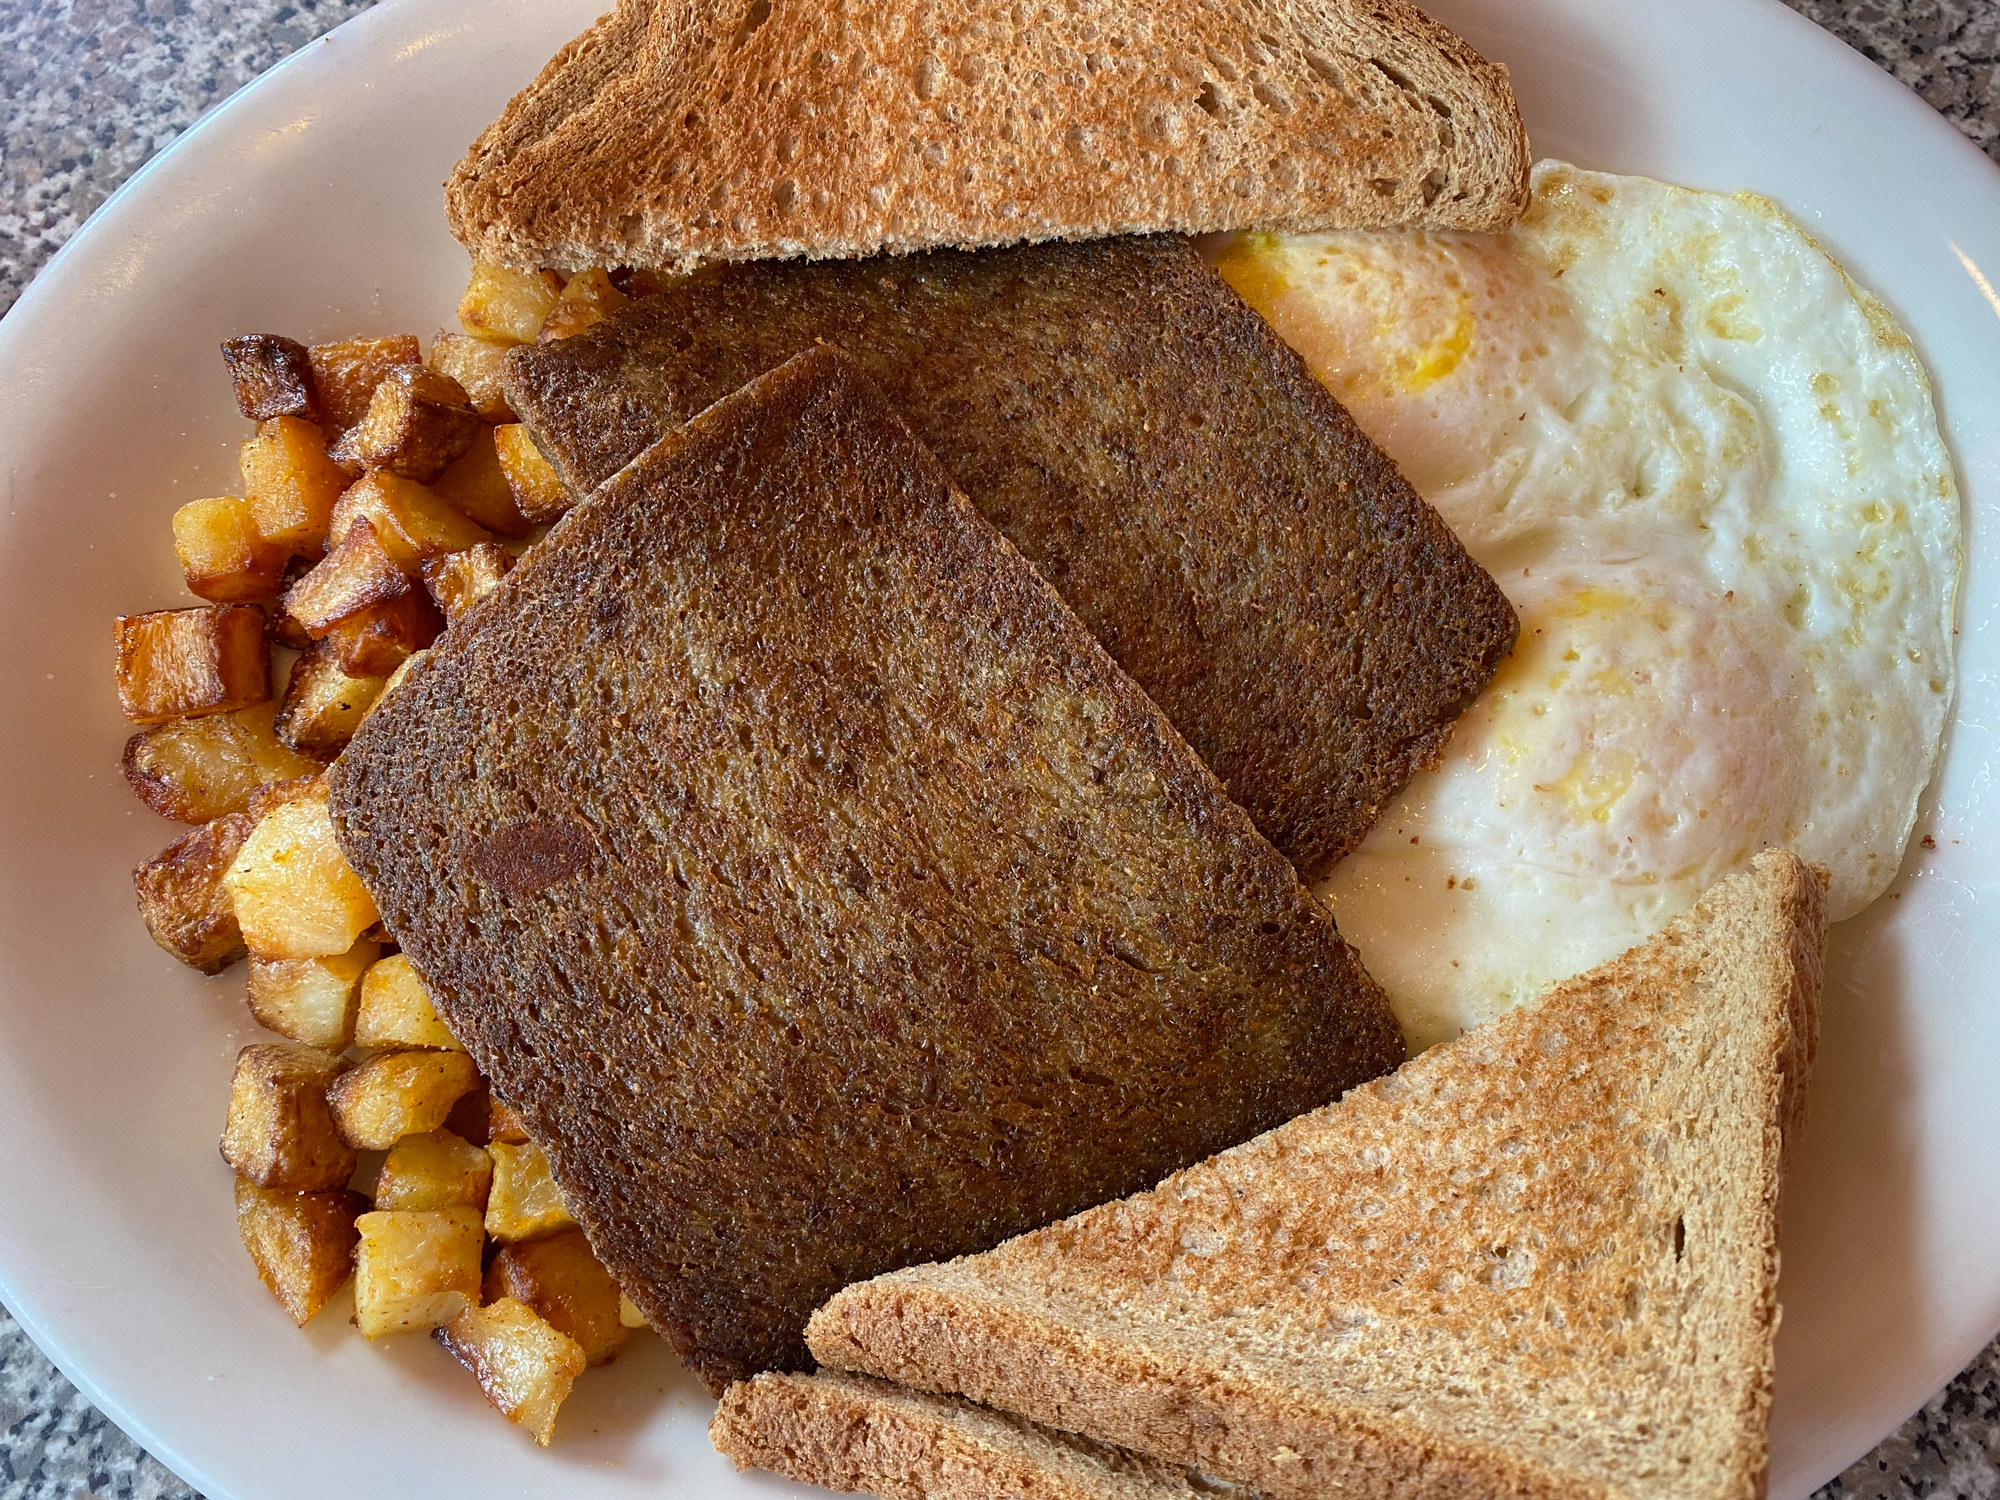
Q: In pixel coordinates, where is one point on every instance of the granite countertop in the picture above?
(90, 89)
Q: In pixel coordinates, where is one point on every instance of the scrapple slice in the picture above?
(1537, 1261)
(818, 891)
(765, 130)
(1240, 547)
(863, 1436)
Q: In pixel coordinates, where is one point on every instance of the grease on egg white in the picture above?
(1707, 470)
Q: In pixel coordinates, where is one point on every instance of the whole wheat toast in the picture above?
(817, 890)
(1539, 1261)
(771, 130)
(1209, 511)
(848, 1432)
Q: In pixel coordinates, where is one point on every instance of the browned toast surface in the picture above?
(1214, 517)
(816, 888)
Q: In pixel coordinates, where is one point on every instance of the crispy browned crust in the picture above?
(815, 887)
(1143, 437)
(757, 131)
(1539, 1261)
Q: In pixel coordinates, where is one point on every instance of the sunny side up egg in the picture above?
(1707, 470)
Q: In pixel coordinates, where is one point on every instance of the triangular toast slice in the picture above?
(1540, 1260)
(817, 890)
(766, 129)
(866, 1436)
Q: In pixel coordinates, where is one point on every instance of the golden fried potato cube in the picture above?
(356, 573)
(478, 365)
(417, 422)
(290, 483)
(272, 376)
(538, 494)
(587, 298)
(410, 521)
(311, 1000)
(461, 579)
(175, 662)
(629, 1315)
(525, 1366)
(524, 1202)
(222, 553)
(194, 770)
(434, 1170)
(477, 487)
(281, 1131)
(562, 1281)
(504, 1125)
(345, 375)
(415, 1268)
(382, 637)
(396, 1011)
(183, 900)
(395, 1094)
(501, 303)
(323, 705)
(295, 894)
(302, 1243)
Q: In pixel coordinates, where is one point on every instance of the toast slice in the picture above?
(1214, 517)
(848, 1432)
(819, 893)
(766, 130)
(1540, 1260)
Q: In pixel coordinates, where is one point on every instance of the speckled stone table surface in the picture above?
(90, 89)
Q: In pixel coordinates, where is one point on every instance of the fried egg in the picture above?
(1706, 468)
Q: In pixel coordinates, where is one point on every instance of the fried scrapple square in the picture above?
(827, 900)
(1211, 514)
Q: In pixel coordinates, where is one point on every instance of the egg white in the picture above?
(1706, 468)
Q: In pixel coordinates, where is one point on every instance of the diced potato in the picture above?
(384, 636)
(525, 1366)
(223, 555)
(192, 661)
(323, 705)
(478, 365)
(468, 1117)
(355, 574)
(182, 897)
(435, 1170)
(504, 1125)
(290, 483)
(396, 678)
(311, 1000)
(396, 1011)
(586, 298)
(501, 303)
(302, 1243)
(562, 1281)
(196, 769)
(345, 375)
(415, 1269)
(417, 422)
(476, 486)
(538, 494)
(461, 579)
(629, 1315)
(295, 895)
(298, 789)
(395, 1094)
(272, 376)
(282, 628)
(410, 521)
(524, 1202)
(281, 1131)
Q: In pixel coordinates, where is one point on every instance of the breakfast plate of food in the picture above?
(1075, 749)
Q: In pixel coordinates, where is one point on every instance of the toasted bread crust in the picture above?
(761, 131)
(817, 890)
(1209, 511)
(1538, 1261)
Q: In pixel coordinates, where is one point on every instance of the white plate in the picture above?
(310, 205)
